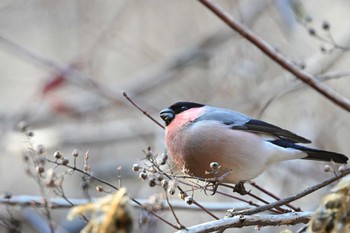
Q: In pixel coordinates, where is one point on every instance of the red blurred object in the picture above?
(53, 83)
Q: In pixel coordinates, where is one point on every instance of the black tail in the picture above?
(313, 154)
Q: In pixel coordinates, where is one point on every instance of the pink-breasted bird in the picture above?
(197, 135)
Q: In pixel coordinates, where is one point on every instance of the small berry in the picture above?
(327, 168)
(160, 177)
(99, 188)
(171, 191)
(152, 182)
(136, 167)
(164, 156)
(75, 153)
(325, 26)
(86, 168)
(182, 195)
(143, 175)
(164, 184)
(342, 168)
(39, 169)
(148, 152)
(312, 31)
(30, 133)
(57, 155)
(153, 170)
(189, 200)
(65, 161)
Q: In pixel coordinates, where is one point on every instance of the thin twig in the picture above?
(116, 188)
(278, 209)
(297, 86)
(144, 112)
(307, 78)
(294, 197)
(272, 195)
(172, 210)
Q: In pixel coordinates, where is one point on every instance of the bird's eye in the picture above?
(183, 108)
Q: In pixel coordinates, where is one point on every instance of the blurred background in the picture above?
(64, 65)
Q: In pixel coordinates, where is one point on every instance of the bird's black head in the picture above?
(168, 114)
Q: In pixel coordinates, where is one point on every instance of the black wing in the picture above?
(239, 121)
(263, 127)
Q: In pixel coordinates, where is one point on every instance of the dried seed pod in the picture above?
(342, 168)
(136, 167)
(160, 177)
(23, 126)
(39, 169)
(325, 26)
(41, 149)
(99, 188)
(153, 170)
(171, 191)
(30, 133)
(164, 159)
(57, 155)
(152, 182)
(75, 153)
(189, 200)
(182, 195)
(86, 168)
(312, 31)
(327, 168)
(164, 184)
(143, 175)
(65, 161)
(149, 152)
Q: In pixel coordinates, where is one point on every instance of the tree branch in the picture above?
(257, 220)
(61, 203)
(307, 78)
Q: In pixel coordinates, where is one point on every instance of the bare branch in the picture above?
(256, 220)
(294, 197)
(307, 78)
(61, 203)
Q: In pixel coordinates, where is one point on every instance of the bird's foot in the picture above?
(215, 182)
(212, 182)
(239, 188)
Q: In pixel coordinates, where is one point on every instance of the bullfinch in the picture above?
(210, 142)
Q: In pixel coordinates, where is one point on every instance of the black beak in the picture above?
(167, 115)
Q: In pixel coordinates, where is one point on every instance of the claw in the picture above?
(239, 188)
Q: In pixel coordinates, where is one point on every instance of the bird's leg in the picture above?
(239, 188)
(216, 181)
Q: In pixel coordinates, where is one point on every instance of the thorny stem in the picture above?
(307, 78)
(116, 188)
